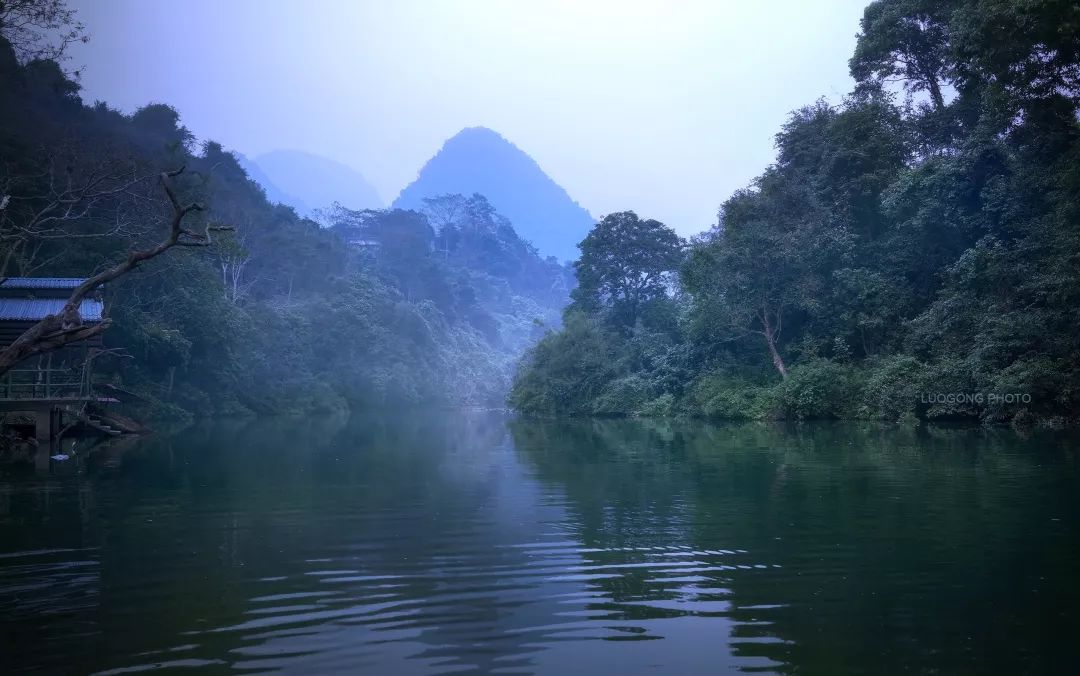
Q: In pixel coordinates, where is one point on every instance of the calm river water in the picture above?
(474, 543)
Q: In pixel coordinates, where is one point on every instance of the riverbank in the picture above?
(898, 389)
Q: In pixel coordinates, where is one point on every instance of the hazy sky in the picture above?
(665, 108)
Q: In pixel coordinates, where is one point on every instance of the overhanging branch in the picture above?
(55, 331)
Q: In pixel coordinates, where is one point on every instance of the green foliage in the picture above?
(662, 406)
(717, 396)
(621, 396)
(817, 389)
(906, 40)
(892, 389)
(566, 371)
(618, 350)
(900, 260)
(624, 268)
(283, 315)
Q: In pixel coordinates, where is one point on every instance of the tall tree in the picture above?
(749, 277)
(906, 41)
(626, 263)
(1028, 49)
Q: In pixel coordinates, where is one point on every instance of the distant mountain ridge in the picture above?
(479, 160)
(274, 193)
(306, 181)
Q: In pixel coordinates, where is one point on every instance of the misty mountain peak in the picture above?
(480, 136)
(480, 160)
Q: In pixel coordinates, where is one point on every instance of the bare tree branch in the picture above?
(55, 331)
(40, 29)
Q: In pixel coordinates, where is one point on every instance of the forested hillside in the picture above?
(280, 314)
(914, 251)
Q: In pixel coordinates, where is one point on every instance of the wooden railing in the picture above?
(45, 384)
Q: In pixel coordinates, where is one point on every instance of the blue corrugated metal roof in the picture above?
(33, 309)
(41, 282)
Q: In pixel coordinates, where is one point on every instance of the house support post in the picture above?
(42, 424)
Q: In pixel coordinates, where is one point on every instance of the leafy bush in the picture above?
(566, 370)
(892, 389)
(818, 389)
(716, 396)
(624, 396)
(660, 407)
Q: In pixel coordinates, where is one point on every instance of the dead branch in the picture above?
(55, 331)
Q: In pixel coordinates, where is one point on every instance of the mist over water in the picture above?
(441, 542)
(620, 221)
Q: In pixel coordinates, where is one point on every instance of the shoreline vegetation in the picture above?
(282, 314)
(913, 253)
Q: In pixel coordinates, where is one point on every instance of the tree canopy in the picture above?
(920, 237)
(282, 314)
(626, 266)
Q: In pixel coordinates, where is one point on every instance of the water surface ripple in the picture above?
(449, 543)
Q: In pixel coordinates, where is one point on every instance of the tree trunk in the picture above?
(777, 360)
(770, 333)
(935, 93)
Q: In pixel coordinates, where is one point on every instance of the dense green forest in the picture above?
(913, 252)
(282, 314)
